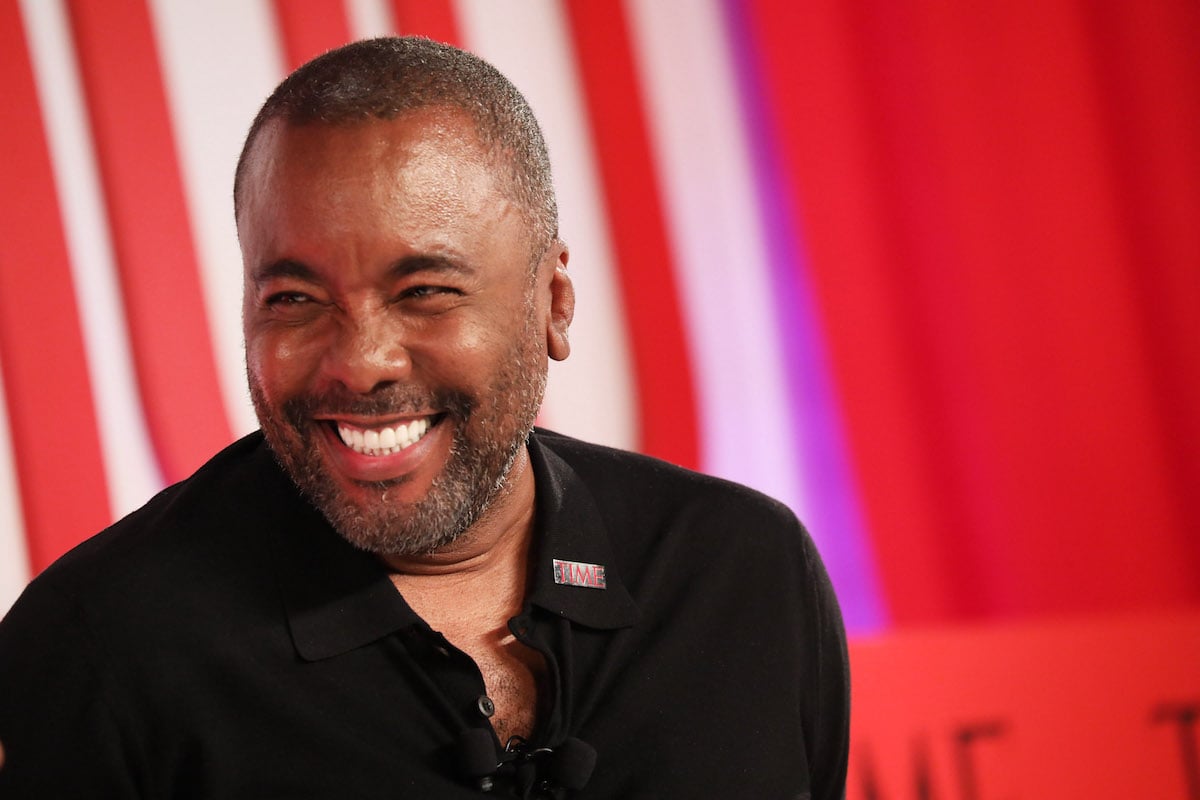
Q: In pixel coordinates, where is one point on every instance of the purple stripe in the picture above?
(835, 513)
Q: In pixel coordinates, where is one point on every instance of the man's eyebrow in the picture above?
(425, 262)
(283, 268)
(409, 265)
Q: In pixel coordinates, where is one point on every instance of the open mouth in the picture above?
(386, 440)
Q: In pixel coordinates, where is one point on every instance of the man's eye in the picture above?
(419, 292)
(288, 299)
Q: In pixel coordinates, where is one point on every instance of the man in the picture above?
(399, 588)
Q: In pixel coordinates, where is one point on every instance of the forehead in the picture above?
(425, 175)
(432, 148)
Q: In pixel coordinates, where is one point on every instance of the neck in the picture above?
(499, 539)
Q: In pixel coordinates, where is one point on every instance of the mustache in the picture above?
(392, 400)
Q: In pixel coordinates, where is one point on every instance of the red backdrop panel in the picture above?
(47, 388)
(1011, 300)
(151, 232)
(1105, 708)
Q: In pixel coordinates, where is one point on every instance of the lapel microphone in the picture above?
(568, 765)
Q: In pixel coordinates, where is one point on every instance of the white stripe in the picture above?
(220, 60)
(703, 163)
(129, 461)
(14, 557)
(591, 394)
(369, 18)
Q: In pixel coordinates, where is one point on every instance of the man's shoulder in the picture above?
(681, 539)
(208, 513)
(628, 485)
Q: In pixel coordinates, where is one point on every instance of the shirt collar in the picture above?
(339, 598)
(570, 528)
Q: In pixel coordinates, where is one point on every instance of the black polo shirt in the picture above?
(224, 642)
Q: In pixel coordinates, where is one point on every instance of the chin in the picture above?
(382, 517)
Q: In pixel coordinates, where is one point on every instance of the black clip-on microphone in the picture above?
(569, 765)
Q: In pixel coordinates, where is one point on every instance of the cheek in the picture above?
(476, 351)
(473, 342)
(282, 363)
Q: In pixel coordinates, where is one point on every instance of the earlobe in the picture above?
(562, 308)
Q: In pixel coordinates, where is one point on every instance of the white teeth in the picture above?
(383, 441)
(387, 438)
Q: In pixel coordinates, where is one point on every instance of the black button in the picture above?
(485, 705)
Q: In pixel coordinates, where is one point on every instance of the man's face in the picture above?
(396, 338)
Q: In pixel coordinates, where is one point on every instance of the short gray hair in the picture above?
(386, 77)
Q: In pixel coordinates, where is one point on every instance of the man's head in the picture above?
(396, 336)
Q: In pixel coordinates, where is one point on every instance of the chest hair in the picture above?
(479, 627)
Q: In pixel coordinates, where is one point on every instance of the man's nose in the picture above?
(369, 353)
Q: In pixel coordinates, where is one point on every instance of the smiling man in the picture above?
(398, 318)
(400, 588)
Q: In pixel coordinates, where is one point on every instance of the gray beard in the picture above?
(489, 432)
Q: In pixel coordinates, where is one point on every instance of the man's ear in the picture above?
(562, 305)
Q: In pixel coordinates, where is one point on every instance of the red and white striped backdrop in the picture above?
(925, 272)
(143, 106)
